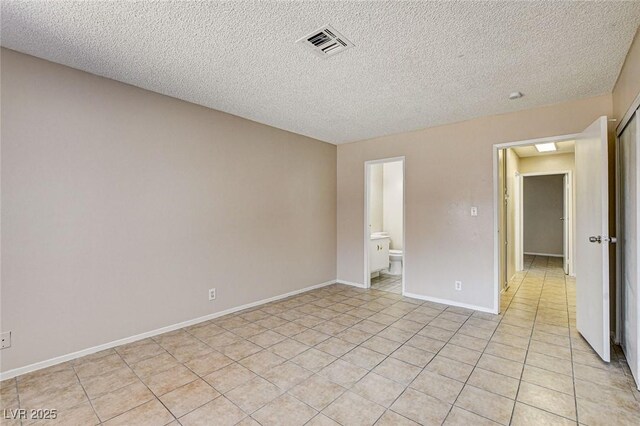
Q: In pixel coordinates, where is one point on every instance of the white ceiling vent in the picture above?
(325, 42)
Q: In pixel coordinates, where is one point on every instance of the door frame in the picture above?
(367, 237)
(496, 200)
(567, 226)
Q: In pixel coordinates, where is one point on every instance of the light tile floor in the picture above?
(342, 355)
(386, 282)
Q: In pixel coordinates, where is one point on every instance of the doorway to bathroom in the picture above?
(384, 248)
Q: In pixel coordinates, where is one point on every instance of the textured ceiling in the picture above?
(414, 64)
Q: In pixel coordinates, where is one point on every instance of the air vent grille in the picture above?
(325, 42)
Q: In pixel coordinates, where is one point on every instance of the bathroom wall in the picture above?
(543, 206)
(122, 207)
(376, 198)
(392, 203)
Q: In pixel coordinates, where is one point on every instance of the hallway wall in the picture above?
(543, 206)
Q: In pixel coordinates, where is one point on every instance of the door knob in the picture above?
(597, 239)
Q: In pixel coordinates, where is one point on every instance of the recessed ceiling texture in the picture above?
(414, 64)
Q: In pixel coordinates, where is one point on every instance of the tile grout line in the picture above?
(573, 373)
(434, 356)
(334, 298)
(310, 347)
(86, 394)
(545, 387)
(526, 355)
(389, 355)
(145, 385)
(483, 352)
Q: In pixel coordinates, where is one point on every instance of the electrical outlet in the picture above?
(459, 285)
(5, 340)
(474, 211)
(212, 294)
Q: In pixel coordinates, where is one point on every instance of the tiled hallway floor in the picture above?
(342, 355)
(386, 282)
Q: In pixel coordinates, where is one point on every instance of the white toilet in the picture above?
(395, 262)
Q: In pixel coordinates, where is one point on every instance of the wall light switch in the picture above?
(474, 211)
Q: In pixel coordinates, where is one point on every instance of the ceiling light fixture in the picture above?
(546, 147)
(515, 95)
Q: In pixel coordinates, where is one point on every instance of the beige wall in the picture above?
(543, 206)
(122, 207)
(627, 87)
(548, 163)
(448, 169)
(392, 203)
(376, 198)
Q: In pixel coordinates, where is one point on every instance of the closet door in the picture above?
(628, 185)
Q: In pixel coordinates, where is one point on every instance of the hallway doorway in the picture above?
(591, 230)
(544, 214)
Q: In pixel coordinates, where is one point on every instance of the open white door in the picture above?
(592, 239)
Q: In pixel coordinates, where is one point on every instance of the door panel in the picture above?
(628, 241)
(592, 245)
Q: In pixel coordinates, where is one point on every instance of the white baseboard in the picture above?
(544, 254)
(450, 302)
(351, 283)
(68, 357)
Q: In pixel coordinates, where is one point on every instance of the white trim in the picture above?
(367, 273)
(496, 238)
(496, 225)
(351, 283)
(543, 254)
(68, 357)
(451, 303)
